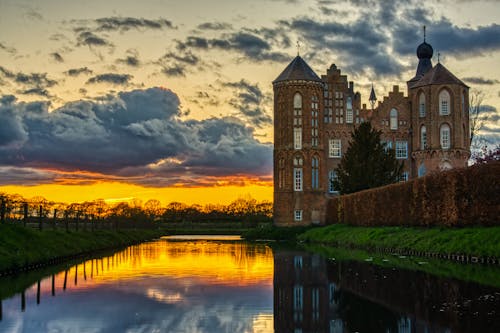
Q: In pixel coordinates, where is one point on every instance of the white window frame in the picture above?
(335, 148)
(404, 177)
(297, 138)
(298, 215)
(401, 150)
(445, 136)
(315, 173)
(297, 179)
(444, 103)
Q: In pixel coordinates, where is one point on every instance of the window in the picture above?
(403, 177)
(315, 173)
(401, 149)
(421, 105)
(349, 112)
(332, 175)
(445, 136)
(297, 303)
(298, 179)
(394, 119)
(297, 101)
(335, 148)
(423, 138)
(315, 304)
(328, 115)
(387, 144)
(297, 260)
(297, 138)
(463, 104)
(444, 103)
(314, 121)
(422, 170)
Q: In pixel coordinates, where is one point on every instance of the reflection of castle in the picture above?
(312, 294)
(314, 117)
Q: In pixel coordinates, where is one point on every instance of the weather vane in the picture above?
(439, 55)
(298, 47)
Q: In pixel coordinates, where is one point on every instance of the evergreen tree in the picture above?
(367, 163)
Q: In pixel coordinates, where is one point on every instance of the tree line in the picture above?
(14, 207)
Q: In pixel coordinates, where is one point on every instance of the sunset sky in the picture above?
(172, 99)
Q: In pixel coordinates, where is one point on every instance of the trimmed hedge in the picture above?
(459, 197)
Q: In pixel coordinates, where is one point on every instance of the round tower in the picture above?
(439, 117)
(298, 147)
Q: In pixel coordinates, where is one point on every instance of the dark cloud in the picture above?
(135, 135)
(8, 49)
(249, 100)
(174, 70)
(250, 45)
(78, 71)
(57, 57)
(187, 58)
(112, 78)
(25, 176)
(126, 23)
(88, 38)
(31, 83)
(215, 26)
(481, 80)
(130, 60)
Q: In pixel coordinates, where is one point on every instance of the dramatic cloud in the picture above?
(126, 23)
(32, 83)
(57, 57)
(248, 99)
(136, 136)
(250, 45)
(215, 26)
(176, 64)
(110, 78)
(78, 71)
(90, 39)
(481, 80)
(130, 60)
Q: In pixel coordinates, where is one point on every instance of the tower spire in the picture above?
(373, 98)
(424, 33)
(298, 48)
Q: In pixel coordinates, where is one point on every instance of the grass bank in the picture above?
(22, 248)
(470, 241)
(270, 232)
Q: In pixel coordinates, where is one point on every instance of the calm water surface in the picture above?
(222, 284)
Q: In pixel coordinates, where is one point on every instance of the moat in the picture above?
(223, 284)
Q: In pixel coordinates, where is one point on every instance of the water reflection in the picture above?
(312, 294)
(164, 286)
(225, 285)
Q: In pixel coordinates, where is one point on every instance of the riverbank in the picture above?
(25, 248)
(472, 244)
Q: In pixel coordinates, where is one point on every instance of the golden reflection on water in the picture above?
(210, 262)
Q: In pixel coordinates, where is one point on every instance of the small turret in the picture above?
(373, 98)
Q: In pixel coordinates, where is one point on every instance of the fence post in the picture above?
(76, 221)
(54, 219)
(2, 211)
(40, 218)
(25, 219)
(85, 221)
(66, 222)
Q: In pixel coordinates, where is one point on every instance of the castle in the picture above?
(314, 117)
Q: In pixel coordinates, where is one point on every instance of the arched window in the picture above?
(421, 105)
(297, 101)
(423, 137)
(349, 113)
(297, 173)
(394, 119)
(463, 104)
(445, 136)
(444, 103)
(315, 173)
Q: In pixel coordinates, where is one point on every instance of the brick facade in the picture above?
(314, 118)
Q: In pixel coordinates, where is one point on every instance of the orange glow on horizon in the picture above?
(111, 192)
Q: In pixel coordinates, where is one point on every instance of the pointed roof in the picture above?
(298, 69)
(438, 75)
(373, 97)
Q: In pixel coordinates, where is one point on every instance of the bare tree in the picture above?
(477, 116)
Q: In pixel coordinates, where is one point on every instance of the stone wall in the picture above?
(459, 197)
